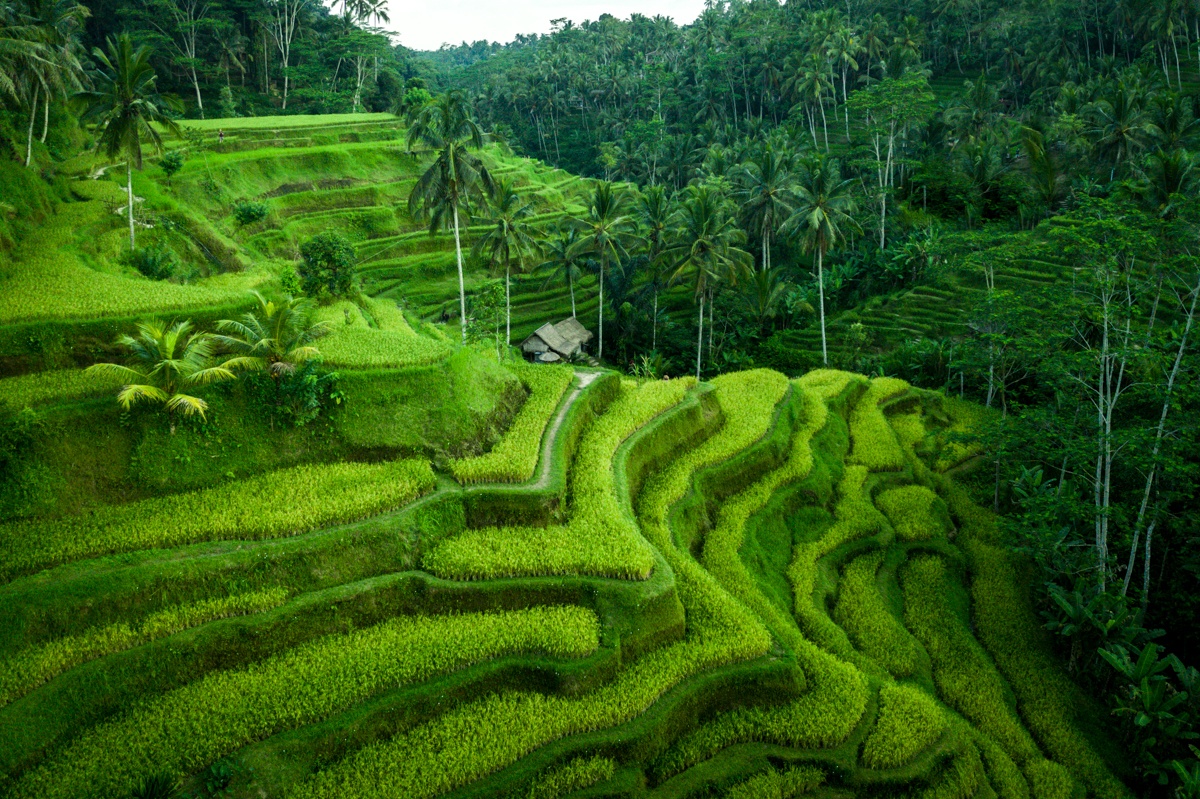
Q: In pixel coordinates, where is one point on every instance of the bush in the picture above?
(31, 667)
(247, 212)
(280, 503)
(155, 262)
(329, 266)
(181, 731)
(909, 721)
(171, 162)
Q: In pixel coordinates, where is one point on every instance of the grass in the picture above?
(289, 121)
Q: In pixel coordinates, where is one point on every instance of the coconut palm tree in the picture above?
(562, 260)
(125, 104)
(509, 236)
(706, 247)
(454, 179)
(765, 192)
(654, 211)
(276, 337)
(606, 233)
(823, 206)
(165, 362)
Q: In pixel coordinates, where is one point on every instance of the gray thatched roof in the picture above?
(565, 338)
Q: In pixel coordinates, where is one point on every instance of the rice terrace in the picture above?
(797, 401)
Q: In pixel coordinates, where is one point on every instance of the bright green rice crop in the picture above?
(280, 503)
(915, 512)
(515, 457)
(873, 443)
(187, 728)
(909, 721)
(600, 538)
(367, 348)
(773, 784)
(31, 667)
(582, 772)
(862, 611)
(40, 388)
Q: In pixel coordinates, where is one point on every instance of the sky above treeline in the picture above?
(428, 24)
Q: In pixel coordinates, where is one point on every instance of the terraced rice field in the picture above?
(753, 587)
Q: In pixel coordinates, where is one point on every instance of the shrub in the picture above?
(31, 667)
(909, 721)
(329, 265)
(281, 503)
(515, 457)
(171, 162)
(153, 261)
(183, 730)
(247, 212)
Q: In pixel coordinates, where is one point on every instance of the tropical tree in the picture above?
(563, 259)
(655, 211)
(824, 203)
(706, 247)
(126, 107)
(766, 197)
(606, 233)
(166, 361)
(454, 179)
(275, 337)
(509, 235)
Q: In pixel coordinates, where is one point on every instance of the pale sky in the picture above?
(426, 24)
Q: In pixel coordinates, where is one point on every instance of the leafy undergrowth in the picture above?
(751, 588)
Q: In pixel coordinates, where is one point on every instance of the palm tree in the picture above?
(707, 247)
(654, 214)
(823, 207)
(57, 24)
(125, 104)
(766, 195)
(606, 232)
(563, 260)
(275, 338)
(510, 234)
(1166, 176)
(1120, 127)
(456, 176)
(167, 360)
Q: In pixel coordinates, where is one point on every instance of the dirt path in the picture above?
(551, 434)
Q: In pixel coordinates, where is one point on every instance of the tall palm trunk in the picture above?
(45, 117)
(571, 286)
(700, 335)
(507, 306)
(821, 296)
(462, 286)
(129, 193)
(32, 116)
(654, 334)
(600, 346)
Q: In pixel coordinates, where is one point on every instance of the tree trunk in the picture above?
(700, 335)
(507, 307)
(32, 116)
(129, 192)
(571, 286)
(196, 84)
(45, 117)
(1158, 436)
(654, 333)
(1146, 563)
(600, 345)
(821, 295)
(462, 288)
